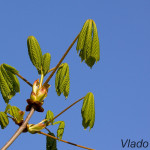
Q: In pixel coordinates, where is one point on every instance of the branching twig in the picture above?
(23, 79)
(64, 141)
(65, 109)
(52, 69)
(51, 75)
(19, 131)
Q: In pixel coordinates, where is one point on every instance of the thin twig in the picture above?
(47, 129)
(19, 131)
(24, 79)
(51, 75)
(65, 110)
(52, 69)
(64, 141)
(9, 117)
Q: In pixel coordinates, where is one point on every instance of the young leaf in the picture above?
(15, 112)
(15, 81)
(46, 63)
(10, 68)
(49, 116)
(34, 128)
(51, 143)
(60, 130)
(34, 52)
(62, 80)
(88, 111)
(3, 120)
(95, 44)
(7, 108)
(9, 84)
(5, 90)
(82, 36)
(88, 43)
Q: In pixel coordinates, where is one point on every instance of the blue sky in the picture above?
(120, 80)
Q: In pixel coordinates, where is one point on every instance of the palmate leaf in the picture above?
(51, 143)
(9, 84)
(62, 80)
(3, 120)
(88, 43)
(46, 63)
(49, 116)
(35, 52)
(88, 111)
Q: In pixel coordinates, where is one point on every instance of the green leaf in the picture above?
(34, 52)
(5, 90)
(7, 108)
(15, 81)
(82, 36)
(15, 112)
(9, 83)
(49, 116)
(62, 80)
(3, 120)
(34, 128)
(57, 82)
(51, 143)
(95, 44)
(46, 63)
(10, 68)
(88, 43)
(60, 130)
(88, 111)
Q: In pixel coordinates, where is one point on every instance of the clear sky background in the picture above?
(120, 81)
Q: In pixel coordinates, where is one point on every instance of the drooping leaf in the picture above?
(51, 143)
(49, 116)
(57, 80)
(7, 108)
(10, 68)
(66, 90)
(88, 43)
(5, 90)
(16, 113)
(62, 80)
(9, 84)
(15, 81)
(95, 44)
(46, 63)
(81, 39)
(60, 130)
(34, 52)
(88, 111)
(3, 120)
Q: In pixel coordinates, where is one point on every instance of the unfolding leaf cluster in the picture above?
(88, 43)
(41, 62)
(88, 111)
(62, 80)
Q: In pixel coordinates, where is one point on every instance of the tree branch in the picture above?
(51, 75)
(19, 131)
(23, 79)
(64, 141)
(65, 110)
